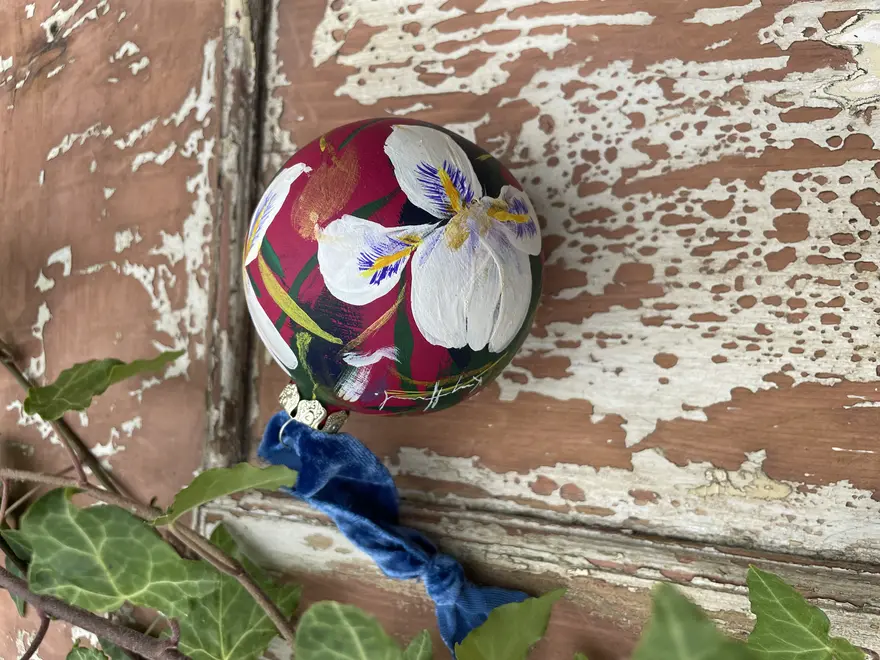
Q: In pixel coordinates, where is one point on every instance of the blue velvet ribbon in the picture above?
(343, 479)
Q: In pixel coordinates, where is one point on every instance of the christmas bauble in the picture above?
(392, 266)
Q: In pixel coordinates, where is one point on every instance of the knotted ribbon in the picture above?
(343, 479)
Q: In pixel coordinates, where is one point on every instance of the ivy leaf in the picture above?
(580, 656)
(20, 603)
(510, 631)
(100, 557)
(112, 651)
(788, 627)
(228, 624)
(679, 630)
(333, 631)
(211, 484)
(75, 387)
(84, 653)
(420, 648)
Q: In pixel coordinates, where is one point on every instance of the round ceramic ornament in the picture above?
(392, 267)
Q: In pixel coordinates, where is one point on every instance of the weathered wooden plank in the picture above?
(109, 135)
(609, 575)
(704, 361)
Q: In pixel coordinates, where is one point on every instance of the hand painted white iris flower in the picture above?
(471, 278)
(353, 382)
(266, 212)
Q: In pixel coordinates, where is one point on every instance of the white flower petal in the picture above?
(361, 260)
(516, 288)
(278, 348)
(432, 169)
(514, 212)
(268, 207)
(455, 291)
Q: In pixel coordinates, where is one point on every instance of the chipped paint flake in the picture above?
(55, 71)
(152, 157)
(415, 107)
(202, 100)
(62, 256)
(36, 369)
(136, 134)
(125, 239)
(5, 63)
(719, 15)
(718, 44)
(93, 131)
(29, 9)
(44, 283)
(127, 49)
(108, 192)
(52, 25)
(140, 65)
(92, 15)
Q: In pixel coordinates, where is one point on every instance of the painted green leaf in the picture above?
(112, 651)
(271, 258)
(333, 631)
(211, 484)
(76, 386)
(679, 630)
(20, 604)
(370, 208)
(100, 557)
(228, 624)
(420, 648)
(510, 631)
(84, 653)
(351, 135)
(788, 627)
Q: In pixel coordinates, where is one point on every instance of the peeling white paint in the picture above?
(29, 9)
(108, 192)
(5, 63)
(23, 641)
(36, 369)
(374, 79)
(719, 15)
(122, 16)
(77, 633)
(415, 107)
(55, 71)
(278, 144)
(695, 501)
(44, 283)
(62, 256)
(140, 65)
(92, 15)
(93, 131)
(152, 157)
(202, 100)
(52, 25)
(127, 49)
(861, 35)
(136, 134)
(125, 239)
(718, 44)
(93, 166)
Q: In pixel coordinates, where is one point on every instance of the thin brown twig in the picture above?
(195, 542)
(145, 512)
(24, 498)
(4, 499)
(77, 450)
(131, 640)
(38, 638)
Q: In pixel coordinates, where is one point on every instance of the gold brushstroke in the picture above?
(296, 313)
(328, 189)
(376, 325)
(450, 379)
